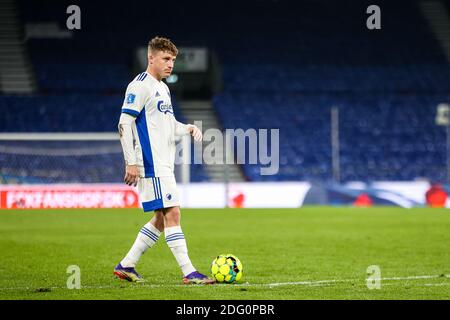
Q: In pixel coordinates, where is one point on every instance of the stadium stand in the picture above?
(285, 64)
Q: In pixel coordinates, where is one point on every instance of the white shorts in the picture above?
(157, 193)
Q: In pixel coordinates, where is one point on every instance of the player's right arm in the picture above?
(133, 104)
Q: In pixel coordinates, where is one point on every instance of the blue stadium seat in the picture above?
(285, 64)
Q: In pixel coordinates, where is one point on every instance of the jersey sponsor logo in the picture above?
(130, 98)
(164, 108)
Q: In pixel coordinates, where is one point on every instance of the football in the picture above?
(226, 268)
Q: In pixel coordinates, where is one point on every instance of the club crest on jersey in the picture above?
(164, 108)
(130, 98)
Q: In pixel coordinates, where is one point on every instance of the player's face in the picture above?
(162, 63)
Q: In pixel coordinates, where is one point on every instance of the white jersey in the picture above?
(155, 127)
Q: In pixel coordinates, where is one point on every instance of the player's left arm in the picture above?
(182, 129)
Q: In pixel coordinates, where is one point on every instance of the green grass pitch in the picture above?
(305, 253)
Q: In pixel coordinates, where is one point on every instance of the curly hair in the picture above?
(162, 44)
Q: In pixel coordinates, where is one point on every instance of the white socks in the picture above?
(145, 239)
(177, 244)
(148, 236)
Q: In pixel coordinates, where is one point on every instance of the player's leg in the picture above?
(175, 239)
(147, 236)
(177, 243)
(158, 220)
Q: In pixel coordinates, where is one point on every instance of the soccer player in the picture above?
(147, 128)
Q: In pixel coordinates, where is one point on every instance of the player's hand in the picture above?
(131, 175)
(195, 132)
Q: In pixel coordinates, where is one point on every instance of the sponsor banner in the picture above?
(237, 195)
(406, 194)
(194, 195)
(244, 195)
(202, 195)
(68, 196)
(268, 194)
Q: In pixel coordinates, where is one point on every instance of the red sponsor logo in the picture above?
(69, 196)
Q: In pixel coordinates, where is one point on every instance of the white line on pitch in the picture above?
(246, 284)
(353, 280)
